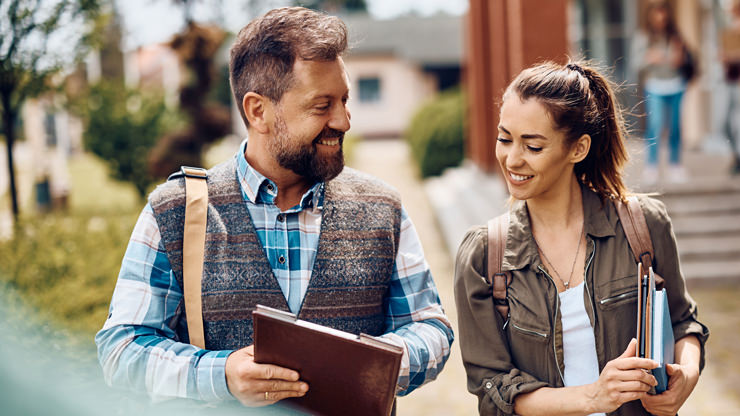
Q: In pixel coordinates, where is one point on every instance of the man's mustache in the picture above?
(330, 133)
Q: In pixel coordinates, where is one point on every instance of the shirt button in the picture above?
(270, 187)
(281, 259)
(489, 385)
(281, 217)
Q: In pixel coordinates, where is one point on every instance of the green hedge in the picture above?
(436, 133)
(66, 266)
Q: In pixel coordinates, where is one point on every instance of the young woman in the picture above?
(658, 53)
(567, 345)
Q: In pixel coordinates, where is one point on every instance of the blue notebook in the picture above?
(663, 343)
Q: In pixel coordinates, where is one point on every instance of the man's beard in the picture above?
(301, 158)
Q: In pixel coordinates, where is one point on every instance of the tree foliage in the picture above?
(122, 127)
(37, 38)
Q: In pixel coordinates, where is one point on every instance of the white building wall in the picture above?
(403, 88)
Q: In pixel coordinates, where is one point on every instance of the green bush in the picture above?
(436, 133)
(66, 266)
(122, 126)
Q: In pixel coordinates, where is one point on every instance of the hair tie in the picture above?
(577, 68)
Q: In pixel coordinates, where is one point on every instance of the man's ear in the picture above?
(580, 148)
(258, 110)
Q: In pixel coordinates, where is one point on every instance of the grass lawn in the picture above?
(94, 192)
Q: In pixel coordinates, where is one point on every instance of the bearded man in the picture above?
(288, 227)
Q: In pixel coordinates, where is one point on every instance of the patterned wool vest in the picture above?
(356, 254)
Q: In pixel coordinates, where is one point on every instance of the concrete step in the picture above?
(464, 197)
(698, 204)
(711, 272)
(692, 248)
(706, 224)
(720, 185)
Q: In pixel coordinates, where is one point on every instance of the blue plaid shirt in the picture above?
(137, 347)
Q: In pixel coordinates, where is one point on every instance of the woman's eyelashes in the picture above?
(532, 148)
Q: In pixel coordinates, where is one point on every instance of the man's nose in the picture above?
(340, 118)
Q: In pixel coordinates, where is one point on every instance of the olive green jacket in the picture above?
(503, 359)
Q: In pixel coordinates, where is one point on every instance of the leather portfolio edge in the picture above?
(264, 314)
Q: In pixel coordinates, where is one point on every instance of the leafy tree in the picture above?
(122, 127)
(36, 39)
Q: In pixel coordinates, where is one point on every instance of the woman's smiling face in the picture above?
(532, 153)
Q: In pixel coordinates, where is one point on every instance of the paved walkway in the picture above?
(389, 160)
(718, 391)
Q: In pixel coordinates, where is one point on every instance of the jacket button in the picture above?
(489, 385)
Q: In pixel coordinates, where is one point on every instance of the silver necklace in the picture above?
(572, 267)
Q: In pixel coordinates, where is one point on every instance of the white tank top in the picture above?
(579, 345)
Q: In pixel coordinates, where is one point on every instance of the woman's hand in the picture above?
(681, 382)
(623, 379)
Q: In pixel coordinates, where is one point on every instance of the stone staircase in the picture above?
(706, 221)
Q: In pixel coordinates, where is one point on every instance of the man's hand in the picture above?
(260, 384)
(623, 379)
(681, 382)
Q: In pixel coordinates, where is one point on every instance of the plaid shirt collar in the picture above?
(256, 188)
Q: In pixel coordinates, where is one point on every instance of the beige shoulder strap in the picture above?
(193, 247)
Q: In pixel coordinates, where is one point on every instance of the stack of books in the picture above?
(654, 329)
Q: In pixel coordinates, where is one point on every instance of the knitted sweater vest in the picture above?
(356, 254)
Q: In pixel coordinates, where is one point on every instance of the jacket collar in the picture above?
(521, 249)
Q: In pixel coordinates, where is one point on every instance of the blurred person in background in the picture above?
(731, 64)
(566, 345)
(660, 57)
(288, 227)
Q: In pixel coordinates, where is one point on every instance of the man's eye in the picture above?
(322, 107)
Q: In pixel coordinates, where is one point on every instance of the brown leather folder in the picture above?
(346, 373)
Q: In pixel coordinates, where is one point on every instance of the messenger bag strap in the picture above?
(637, 232)
(500, 280)
(193, 247)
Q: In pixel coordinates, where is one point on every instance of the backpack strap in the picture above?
(193, 248)
(637, 232)
(500, 280)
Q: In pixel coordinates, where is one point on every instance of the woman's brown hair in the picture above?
(581, 101)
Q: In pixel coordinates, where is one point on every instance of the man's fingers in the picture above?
(270, 371)
(280, 385)
(274, 396)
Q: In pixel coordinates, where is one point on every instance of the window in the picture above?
(50, 129)
(369, 90)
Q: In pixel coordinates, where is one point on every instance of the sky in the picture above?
(147, 22)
